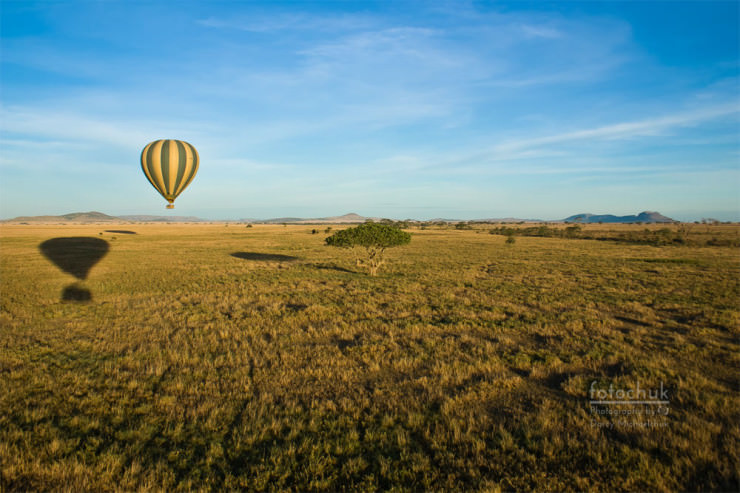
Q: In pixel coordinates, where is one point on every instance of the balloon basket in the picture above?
(170, 206)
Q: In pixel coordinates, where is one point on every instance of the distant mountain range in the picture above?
(161, 219)
(77, 217)
(643, 217)
(99, 217)
(352, 218)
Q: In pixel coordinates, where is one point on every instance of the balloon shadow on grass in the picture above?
(76, 294)
(76, 256)
(264, 257)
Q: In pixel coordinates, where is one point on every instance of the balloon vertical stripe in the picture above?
(174, 160)
(155, 170)
(145, 159)
(190, 168)
(165, 160)
(194, 163)
(181, 164)
(170, 166)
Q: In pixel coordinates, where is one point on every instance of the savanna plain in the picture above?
(224, 357)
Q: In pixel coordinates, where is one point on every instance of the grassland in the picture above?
(215, 357)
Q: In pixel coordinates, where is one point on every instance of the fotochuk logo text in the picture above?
(629, 408)
(634, 395)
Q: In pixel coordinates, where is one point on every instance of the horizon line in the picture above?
(295, 219)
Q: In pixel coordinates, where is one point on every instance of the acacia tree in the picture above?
(374, 237)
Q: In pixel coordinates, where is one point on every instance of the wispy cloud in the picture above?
(45, 126)
(541, 31)
(627, 130)
(564, 153)
(287, 21)
(66, 124)
(250, 165)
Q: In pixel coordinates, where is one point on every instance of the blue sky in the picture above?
(395, 109)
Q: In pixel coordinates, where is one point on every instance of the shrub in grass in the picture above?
(572, 231)
(374, 238)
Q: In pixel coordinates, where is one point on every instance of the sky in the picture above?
(395, 109)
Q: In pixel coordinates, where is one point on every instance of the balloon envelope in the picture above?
(170, 166)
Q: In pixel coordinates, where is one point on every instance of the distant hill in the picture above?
(88, 216)
(99, 217)
(76, 217)
(643, 217)
(487, 220)
(161, 219)
(350, 218)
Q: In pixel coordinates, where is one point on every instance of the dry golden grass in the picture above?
(226, 357)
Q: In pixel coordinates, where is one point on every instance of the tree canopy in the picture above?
(374, 237)
(369, 235)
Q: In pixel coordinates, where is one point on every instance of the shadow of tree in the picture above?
(333, 267)
(120, 231)
(264, 257)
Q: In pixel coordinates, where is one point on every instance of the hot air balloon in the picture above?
(170, 166)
